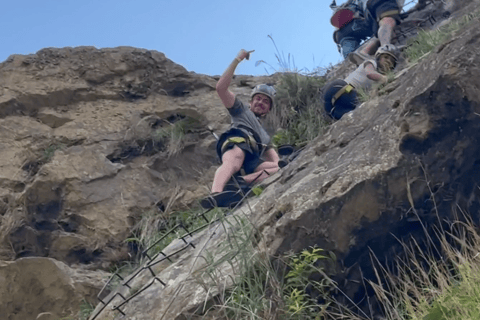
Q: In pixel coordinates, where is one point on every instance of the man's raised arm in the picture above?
(227, 97)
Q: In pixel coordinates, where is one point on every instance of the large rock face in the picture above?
(81, 161)
(398, 164)
(35, 286)
(80, 157)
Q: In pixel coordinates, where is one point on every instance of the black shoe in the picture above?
(283, 163)
(224, 199)
(234, 186)
(285, 150)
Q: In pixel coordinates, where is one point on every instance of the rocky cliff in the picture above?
(83, 155)
(87, 149)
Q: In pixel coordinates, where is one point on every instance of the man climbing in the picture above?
(380, 15)
(352, 26)
(340, 96)
(246, 145)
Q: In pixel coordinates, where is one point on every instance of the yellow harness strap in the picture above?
(388, 14)
(237, 140)
(345, 89)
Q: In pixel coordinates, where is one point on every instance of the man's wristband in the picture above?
(239, 60)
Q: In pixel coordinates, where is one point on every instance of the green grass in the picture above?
(363, 95)
(460, 301)
(49, 152)
(254, 294)
(146, 232)
(85, 310)
(298, 114)
(263, 288)
(428, 288)
(299, 110)
(174, 134)
(257, 190)
(426, 41)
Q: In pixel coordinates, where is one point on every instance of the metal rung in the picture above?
(174, 253)
(137, 293)
(163, 237)
(151, 264)
(106, 285)
(106, 304)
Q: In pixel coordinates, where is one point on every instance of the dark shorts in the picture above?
(384, 8)
(352, 34)
(344, 104)
(358, 29)
(252, 159)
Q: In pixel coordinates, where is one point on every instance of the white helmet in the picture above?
(267, 90)
(388, 49)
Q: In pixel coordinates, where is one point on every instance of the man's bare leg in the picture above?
(366, 52)
(262, 172)
(385, 30)
(370, 47)
(232, 161)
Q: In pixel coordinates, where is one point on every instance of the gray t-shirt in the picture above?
(359, 78)
(243, 116)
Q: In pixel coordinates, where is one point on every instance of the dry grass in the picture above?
(10, 221)
(430, 286)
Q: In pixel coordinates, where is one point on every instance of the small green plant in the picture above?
(86, 309)
(84, 312)
(257, 190)
(260, 291)
(155, 226)
(299, 110)
(363, 95)
(49, 152)
(298, 114)
(174, 134)
(302, 266)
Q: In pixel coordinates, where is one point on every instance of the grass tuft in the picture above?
(155, 225)
(299, 111)
(49, 152)
(426, 41)
(174, 135)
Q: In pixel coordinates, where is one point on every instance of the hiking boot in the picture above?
(224, 199)
(233, 185)
(285, 150)
(283, 163)
(358, 58)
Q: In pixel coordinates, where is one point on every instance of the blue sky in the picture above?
(203, 36)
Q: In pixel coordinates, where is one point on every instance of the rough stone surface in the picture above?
(408, 155)
(43, 288)
(79, 165)
(79, 161)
